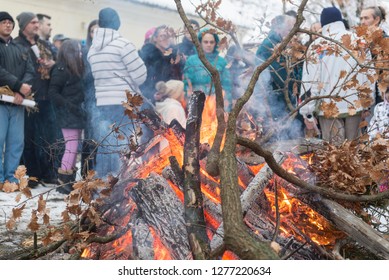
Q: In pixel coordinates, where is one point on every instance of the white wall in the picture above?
(71, 17)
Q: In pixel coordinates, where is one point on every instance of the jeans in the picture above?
(110, 147)
(11, 140)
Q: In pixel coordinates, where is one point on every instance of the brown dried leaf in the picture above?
(65, 216)
(343, 74)
(33, 225)
(346, 40)
(27, 192)
(17, 212)
(11, 224)
(46, 219)
(41, 204)
(18, 197)
(330, 110)
(10, 187)
(20, 172)
(363, 124)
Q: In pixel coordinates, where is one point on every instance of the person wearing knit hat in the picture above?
(24, 19)
(321, 77)
(109, 18)
(116, 67)
(5, 15)
(172, 89)
(17, 76)
(330, 15)
(44, 133)
(169, 98)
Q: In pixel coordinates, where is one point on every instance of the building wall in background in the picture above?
(71, 17)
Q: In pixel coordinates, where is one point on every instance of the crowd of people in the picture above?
(80, 88)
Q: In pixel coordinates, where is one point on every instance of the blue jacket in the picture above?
(200, 78)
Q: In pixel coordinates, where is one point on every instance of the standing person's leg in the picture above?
(352, 129)
(72, 138)
(108, 156)
(332, 130)
(48, 142)
(66, 173)
(14, 143)
(29, 157)
(4, 123)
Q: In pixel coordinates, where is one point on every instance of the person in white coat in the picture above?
(169, 98)
(325, 72)
(116, 67)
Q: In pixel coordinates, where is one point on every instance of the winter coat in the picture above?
(170, 109)
(67, 94)
(379, 123)
(279, 75)
(15, 66)
(198, 77)
(186, 47)
(324, 77)
(160, 67)
(40, 86)
(116, 67)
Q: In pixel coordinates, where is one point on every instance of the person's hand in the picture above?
(47, 63)
(25, 89)
(18, 99)
(365, 114)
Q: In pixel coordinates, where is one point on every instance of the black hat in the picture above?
(109, 18)
(5, 15)
(330, 15)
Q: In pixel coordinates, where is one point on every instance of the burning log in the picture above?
(253, 191)
(142, 240)
(193, 198)
(163, 211)
(355, 227)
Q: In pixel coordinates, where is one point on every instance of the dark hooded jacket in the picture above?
(67, 94)
(159, 68)
(39, 86)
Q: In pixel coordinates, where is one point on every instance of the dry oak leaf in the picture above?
(10, 187)
(330, 110)
(17, 212)
(41, 204)
(20, 172)
(33, 225)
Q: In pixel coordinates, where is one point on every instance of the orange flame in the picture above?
(86, 253)
(160, 251)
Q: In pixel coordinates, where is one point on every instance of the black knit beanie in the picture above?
(330, 15)
(5, 15)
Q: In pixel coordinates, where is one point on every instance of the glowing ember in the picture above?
(86, 253)
(303, 217)
(228, 255)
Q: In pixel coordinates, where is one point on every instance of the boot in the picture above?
(66, 179)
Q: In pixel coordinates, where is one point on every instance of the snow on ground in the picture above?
(21, 235)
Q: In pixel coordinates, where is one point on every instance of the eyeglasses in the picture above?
(6, 21)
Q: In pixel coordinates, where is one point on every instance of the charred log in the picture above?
(163, 211)
(193, 198)
(354, 227)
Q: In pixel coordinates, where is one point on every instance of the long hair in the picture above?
(70, 55)
(88, 35)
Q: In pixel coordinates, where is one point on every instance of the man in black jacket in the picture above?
(39, 155)
(16, 73)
